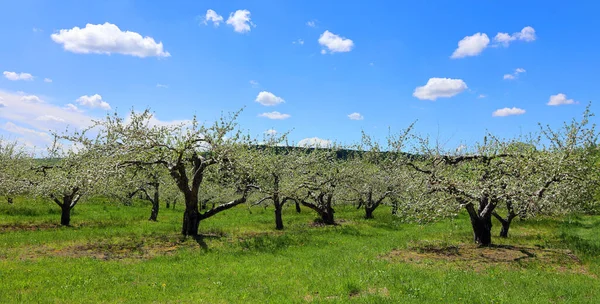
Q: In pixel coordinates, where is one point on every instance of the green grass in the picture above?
(113, 254)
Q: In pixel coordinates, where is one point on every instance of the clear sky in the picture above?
(324, 69)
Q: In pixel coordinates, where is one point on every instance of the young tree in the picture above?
(272, 166)
(15, 164)
(185, 150)
(317, 180)
(70, 173)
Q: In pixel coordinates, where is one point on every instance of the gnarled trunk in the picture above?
(191, 215)
(481, 221)
(369, 212)
(277, 203)
(298, 207)
(155, 203)
(65, 215)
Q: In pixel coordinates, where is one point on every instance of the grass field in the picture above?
(113, 254)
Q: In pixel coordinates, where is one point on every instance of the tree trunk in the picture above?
(327, 216)
(9, 200)
(154, 213)
(482, 230)
(191, 215)
(482, 226)
(191, 221)
(504, 230)
(298, 207)
(369, 212)
(278, 218)
(168, 205)
(155, 204)
(65, 216)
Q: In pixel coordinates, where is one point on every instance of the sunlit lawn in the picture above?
(113, 254)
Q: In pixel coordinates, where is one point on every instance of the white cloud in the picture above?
(508, 112)
(312, 23)
(212, 16)
(515, 74)
(299, 41)
(440, 87)
(314, 142)
(17, 76)
(13, 128)
(48, 80)
(271, 132)
(163, 86)
(107, 38)
(527, 34)
(355, 116)
(268, 99)
(50, 118)
(471, 46)
(275, 115)
(94, 101)
(31, 99)
(482, 96)
(254, 83)
(72, 107)
(240, 20)
(335, 43)
(37, 30)
(560, 99)
(27, 113)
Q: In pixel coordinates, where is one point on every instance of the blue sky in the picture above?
(377, 54)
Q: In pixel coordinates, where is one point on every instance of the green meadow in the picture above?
(113, 254)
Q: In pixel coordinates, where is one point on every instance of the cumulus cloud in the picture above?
(31, 99)
(527, 34)
(275, 115)
(334, 43)
(268, 99)
(508, 112)
(560, 99)
(271, 132)
(514, 75)
(40, 116)
(356, 116)
(240, 20)
(440, 87)
(94, 101)
(107, 38)
(213, 17)
(17, 76)
(314, 142)
(471, 46)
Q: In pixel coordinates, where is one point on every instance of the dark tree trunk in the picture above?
(327, 216)
(298, 207)
(9, 200)
(65, 215)
(482, 230)
(168, 205)
(277, 203)
(191, 221)
(369, 212)
(504, 230)
(191, 215)
(482, 225)
(155, 203)
(278, 218)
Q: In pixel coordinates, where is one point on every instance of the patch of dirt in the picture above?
(481, 258)
(26, 227)
(115, 250)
